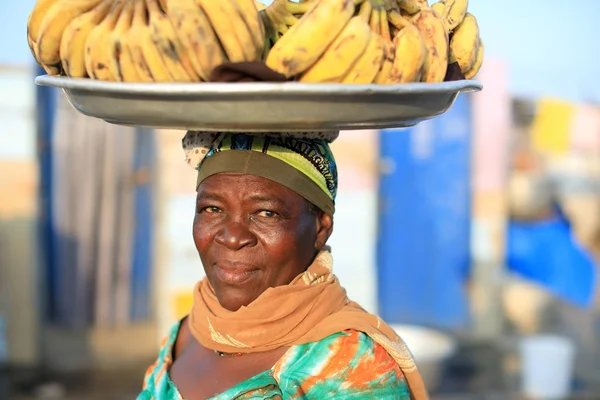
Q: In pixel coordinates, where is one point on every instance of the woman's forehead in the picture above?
(249, 187)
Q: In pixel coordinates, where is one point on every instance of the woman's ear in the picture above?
(324, 229)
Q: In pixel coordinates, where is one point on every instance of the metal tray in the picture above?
(260, 106)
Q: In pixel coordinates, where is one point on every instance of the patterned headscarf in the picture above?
(302, 162)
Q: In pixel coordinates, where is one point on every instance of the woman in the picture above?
(270, 320)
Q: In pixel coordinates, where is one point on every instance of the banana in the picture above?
(436, 40)
(249, 12)
(163, 35)
(72, 45)
(259, 6)
(375, 20)
(454, 12)
(410, 56)
(439, 9)
(464, 43)
(470, 74)
(343, 52)
(115, 47)
(196, 36)
(384, 25)
(230, 29)
(366, 68)
(98, 52)
(140, 59)
(34, 21)
(389, 52)
(54, 22)
(306, 41)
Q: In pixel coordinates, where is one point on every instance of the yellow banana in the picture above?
(366, 68)
(464, 43)
(343, 52)
(196, 36)
(436, 40)
(72, 45)
(115, 48)
(375, 20)
(163, 35)
(410, 56)
(34, 22)
(249, 12)
(98, 53)
(259, 6)
(454, 12)
(306, 41)
(439, 8)
(232, 33)
(384, 29)
(140, 59)
(56, 19)
(389, 52)
(365, 10)
(470, 74)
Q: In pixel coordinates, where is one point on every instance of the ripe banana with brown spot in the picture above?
(140, 59)
(464, 43)
(72, 46)
(196, 35)
(98, 52)
(343, 52)
(249, 13)
(40, 9)
(114, 46)
(389, 52)
(454, 12)
(306, 41)
(366, 68)
(163, 35)
(232, 32)
(52, 27)
(410, 56)
(470, 74)
(436, 41)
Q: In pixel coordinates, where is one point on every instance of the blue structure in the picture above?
(424, 221)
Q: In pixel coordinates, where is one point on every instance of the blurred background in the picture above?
(476, 235)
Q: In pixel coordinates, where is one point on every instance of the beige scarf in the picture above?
(312, 307)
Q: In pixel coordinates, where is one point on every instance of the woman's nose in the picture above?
(235, 235)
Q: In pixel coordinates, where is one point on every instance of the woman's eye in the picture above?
(267, 214)
(210, 210)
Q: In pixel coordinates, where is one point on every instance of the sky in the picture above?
(551, 49)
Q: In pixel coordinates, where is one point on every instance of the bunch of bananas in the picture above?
(144, 40)
(333, 41)
(371, 41)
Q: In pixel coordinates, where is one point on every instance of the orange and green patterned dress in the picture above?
(346, 365)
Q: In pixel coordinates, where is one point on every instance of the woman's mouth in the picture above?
(234, 273)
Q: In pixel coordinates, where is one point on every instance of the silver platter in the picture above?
(260, 106)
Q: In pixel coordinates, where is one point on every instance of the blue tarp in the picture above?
(546, 252)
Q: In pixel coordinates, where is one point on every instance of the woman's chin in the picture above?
(233, 300)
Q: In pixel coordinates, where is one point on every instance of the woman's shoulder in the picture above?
(348, 362)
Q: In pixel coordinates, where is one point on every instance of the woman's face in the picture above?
(252, 234)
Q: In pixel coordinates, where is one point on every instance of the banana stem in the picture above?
(397, 20)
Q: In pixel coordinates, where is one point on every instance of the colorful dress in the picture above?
(346, 365)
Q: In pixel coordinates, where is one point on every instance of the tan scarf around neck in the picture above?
(312, 307)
